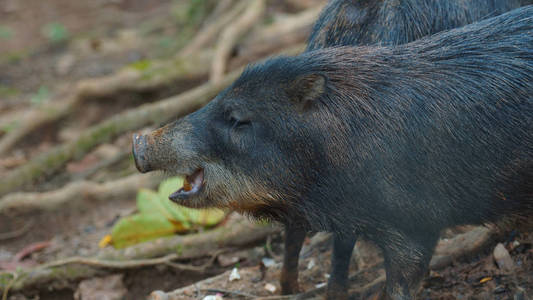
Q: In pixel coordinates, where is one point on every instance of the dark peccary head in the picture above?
(394, 22)
(394, 144)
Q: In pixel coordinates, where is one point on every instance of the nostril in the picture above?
(139, 153)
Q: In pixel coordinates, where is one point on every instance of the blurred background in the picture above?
(77, 221)
(77, 78)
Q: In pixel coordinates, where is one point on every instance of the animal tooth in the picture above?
(186, 185)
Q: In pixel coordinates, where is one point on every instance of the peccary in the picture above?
(392, 144)
(394, 22)
(381, 22)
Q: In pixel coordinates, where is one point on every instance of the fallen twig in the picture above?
(94, 262)
(199, 269)
(228, 292)
(34, 247)
(132, 264)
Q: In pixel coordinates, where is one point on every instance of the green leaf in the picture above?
(185, 215)
(169, 186)
(158, 216)
(205, 217)
(148, 202)
(166, 188)
(139, 228)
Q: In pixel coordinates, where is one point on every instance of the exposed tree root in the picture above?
(280, 34)
(221, 7)
(210, 31)
(127, 80)
(55, 158)
(78, 191)
(230, 36)
(129, 264)
(151, 113)
(462, 245)
(235, 234)
(191, 65)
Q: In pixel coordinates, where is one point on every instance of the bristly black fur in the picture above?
(440, 130)
(394, 22)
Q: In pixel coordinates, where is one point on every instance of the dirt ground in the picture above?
(45, 47)
(475, 277)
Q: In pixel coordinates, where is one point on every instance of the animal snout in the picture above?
(140, 155)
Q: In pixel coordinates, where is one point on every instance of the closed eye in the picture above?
(236, 123)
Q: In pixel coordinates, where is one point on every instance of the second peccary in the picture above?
(393, 144)
(395, 22)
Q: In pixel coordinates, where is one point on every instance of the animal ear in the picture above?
(306, 90)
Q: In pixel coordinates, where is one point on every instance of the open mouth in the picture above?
(192, 185)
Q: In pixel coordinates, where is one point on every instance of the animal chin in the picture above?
(192, 186)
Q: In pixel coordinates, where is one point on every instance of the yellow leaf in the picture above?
(139, 228)
(106, 240)
(483, 280)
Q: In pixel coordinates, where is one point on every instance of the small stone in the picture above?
(323, 284)
(227, 260)
(270, 287)
(211, 297)
(109, 288)
(234, 275)
(503, 258)
(268, 262)
(311, 264)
